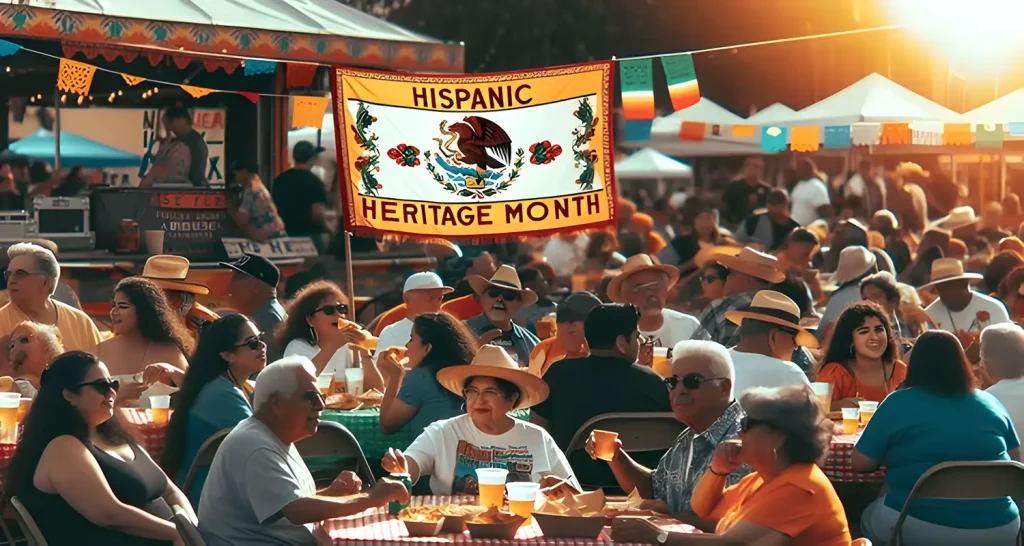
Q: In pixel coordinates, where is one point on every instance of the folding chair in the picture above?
(187, 528)
(965, 480)
(334, 440)
(204, 457)
(33, 536)
(638, 431)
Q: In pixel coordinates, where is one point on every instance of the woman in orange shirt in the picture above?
(786, 501)
(863, 357)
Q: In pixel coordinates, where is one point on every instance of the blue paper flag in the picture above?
(1017, 128)
(638, 130)
(774, 139)
(837, 137)
(8, 48)
(256, 66)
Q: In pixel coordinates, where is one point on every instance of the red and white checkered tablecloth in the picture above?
(377, 527)
(838, 466)
(149, 435)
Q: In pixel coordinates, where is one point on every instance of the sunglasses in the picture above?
(103, 386)
(708, 279)
(330, 310)
(507, 295)
(254, 343)
(747, 423)
(692, 381)
(313, 397)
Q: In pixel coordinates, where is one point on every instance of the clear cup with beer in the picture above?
(23, 406)
(491, 483)
(604, 444)
(660, 363)
(522, 496)
(9, 402)
(823, 391)
(324, 382)
(867, 410)
(851, 420)
(161, 407)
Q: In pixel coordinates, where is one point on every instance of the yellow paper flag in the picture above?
(805, 139)
(744, 131)
(75, 77)
(956, 134)
(197, 92)
(308, 111)
(132, 80)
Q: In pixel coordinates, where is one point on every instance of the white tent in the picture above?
(665, 133)
(872, 99)
(771, 114)
(309, 133)
(649, 163)
(1002, 110)
(704, 111)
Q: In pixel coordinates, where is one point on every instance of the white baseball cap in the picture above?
(426, 280)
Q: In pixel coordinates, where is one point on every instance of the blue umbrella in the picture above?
(75, 151)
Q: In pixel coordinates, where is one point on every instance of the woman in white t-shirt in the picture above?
(311, 329)
(450, 451)
(809, 199)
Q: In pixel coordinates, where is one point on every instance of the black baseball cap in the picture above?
(304, 151)
(576, 307)
(256, 266)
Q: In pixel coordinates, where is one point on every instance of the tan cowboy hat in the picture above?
(637, 264)
(754, 263)
(854, 261)
(949, 269)
(957, 218)
(710, 253)
(493, 361)
(506, 278)
(169, 272)
(776, 308)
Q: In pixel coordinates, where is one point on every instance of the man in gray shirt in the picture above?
(178, 120)
(259, 490)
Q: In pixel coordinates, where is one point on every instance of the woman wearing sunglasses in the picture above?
(82, 477)
(33, 347)
(311, 329)
(215, 394)
(786, 500)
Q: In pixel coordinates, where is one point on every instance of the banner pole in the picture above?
(349, 277)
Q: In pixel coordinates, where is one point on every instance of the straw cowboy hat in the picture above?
(886, 213)
(949, 269)
(711, 253)
(493, 361)
(639, 263)
(957, 218)
(776, 308)
(754, 263)
(854, 261)
(505, 278)
(169, 272)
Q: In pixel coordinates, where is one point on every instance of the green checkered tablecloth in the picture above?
(365, 426)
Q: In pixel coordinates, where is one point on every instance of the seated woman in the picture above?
(82, 477)
(787, 500)
(412, 394)
(939, 417)
(449, 451)
(33, 347)
(214, 395)
(862, 360)
(149, 333)
(311, 329)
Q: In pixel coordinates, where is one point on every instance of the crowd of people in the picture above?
(721, 313)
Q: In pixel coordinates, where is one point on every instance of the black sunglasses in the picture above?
(507, 295)
(692, 381)
(313, 397)
(708, 279)
(103, 386)
(747, 423)
(254, 343)
(330, 310)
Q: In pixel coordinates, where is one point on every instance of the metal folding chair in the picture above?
(204, 457)
(334, 440)
(33, 536)
(638, 431)
(187, 528)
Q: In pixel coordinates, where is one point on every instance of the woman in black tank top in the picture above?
(72, 450)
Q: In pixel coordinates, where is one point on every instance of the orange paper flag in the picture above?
(805, 139)
(896, 133)
(197, 92)
(75, 77)
(692, 130)
(744, 131)
(956, 134)
(132, 80)
(308, 111)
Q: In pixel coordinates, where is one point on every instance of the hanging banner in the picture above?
(476, 156)
(637, 89)
(682, 80)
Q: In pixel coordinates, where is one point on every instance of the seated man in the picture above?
(645, 283)
(501, 297)
(769, 332)
(259, 490)
(569, 340)
(749, 271)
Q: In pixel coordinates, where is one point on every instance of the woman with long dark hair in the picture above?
(149, 333)
(311, 329)
(214, 395)
(412, 394)
(863, 357)
(82, 477)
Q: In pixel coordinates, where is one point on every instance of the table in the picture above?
(377, 527)
(838, 466)
(150, 436)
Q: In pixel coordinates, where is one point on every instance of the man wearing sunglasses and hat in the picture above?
(501, 297)
(960, 309)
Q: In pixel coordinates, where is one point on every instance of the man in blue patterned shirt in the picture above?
(749, 272)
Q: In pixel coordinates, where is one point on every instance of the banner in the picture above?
(476, 156)
(637, 81)
(682, 81)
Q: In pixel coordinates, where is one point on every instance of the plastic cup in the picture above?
(521, 498)
(851, 420)
(604, 444)
(660, 363)
(9, 402)
(161, 408)
(354, 381)
(867, 410)
(824, 393)
(154, 241)
(324, 382)
(491, 482)
(23, 406)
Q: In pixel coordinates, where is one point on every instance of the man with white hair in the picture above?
(423, 293)
(700, 391)
(31, 281)
(1002, 356)
(259, 490)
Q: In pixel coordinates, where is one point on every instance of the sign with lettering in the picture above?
(285, 247)
(476, 156)
(192, 200)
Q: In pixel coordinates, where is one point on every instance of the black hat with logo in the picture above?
(256, 266)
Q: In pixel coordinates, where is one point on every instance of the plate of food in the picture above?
(453, 517)
(342, 401)
(372, 397)
(494, 523)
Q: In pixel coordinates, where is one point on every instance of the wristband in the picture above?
(712, 470)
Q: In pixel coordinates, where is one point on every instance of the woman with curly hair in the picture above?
(150, 337)
(862, 360)
(311, 330)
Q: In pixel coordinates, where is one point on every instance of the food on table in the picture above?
(372, 396)
(493, 515)
(343, 401)
(494, 523)
(437, 513)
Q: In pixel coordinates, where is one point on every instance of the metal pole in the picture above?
(350, 276)
(56, 133)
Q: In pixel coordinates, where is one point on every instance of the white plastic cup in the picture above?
(491, 476)
(354, 381)
(491, 483)
(522, 491)
(154, 241)
(160, 408)
(867, 405)
(821, 388)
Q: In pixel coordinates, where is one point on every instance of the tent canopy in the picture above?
(771, 114)
(1002, 110)
(309, 134)
(650, 163)
(872, 99)
(75, 151)
(704, 111)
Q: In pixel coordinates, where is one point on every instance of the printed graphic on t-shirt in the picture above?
(505, 342)
(516, 459)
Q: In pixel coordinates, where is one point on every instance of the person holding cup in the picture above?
(862, 359)
(452, 451)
